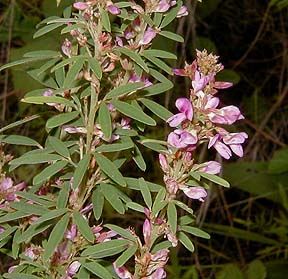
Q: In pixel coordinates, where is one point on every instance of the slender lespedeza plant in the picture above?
(97, 89)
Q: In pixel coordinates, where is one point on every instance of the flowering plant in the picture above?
(98, 89)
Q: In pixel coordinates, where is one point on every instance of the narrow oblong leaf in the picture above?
(35, 159)
(56, 236)
(61, 119)
(105, 20)
(214, 178)
(160, 53)
(19, 140)
(172, 36)
(80, 171)
(98, 203)
(185, 240)
(110, 169)
(157, 109)
(98, 270)
(145, 191)
(172, 217)
(124, 233)
(59, 146)
(18, 123)
(112, 196)
(115, 147)
(171, 15)
(138, 158)
(106, 249)
(135, 57)
(83, 226)
(133, 112)
(46, 29)
(159, 63)
(95, 67)
(51, 215)
(40, 100)
(73, 72)
(105, 120)
(126, 255)
(195, 231)
(124, 89)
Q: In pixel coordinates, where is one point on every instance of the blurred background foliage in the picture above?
(248, 223)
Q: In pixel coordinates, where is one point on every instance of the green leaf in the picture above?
(115, 147)
(172, 36)
(19, 140)
(35, 198)
(256, 270)
(7, 232)
(110, 169)
(98, 203)
(145, 191)
(157, 109)
(33, 209)
(83, 226)
(105, 20)
(172, 216)
(20, 62)
(46, 29)
(138, 158)
(124, 233)
(106, 249)
(160, 53)
(124, 89)
(95, 67)
(184, 207)
(61, 119)
(73, 73)
(279, 162)
(185, 240)
(40, 100)
(159, 63)
(133, 112)
(56, 236)
(136, 207)
(98, 270)
(50, 216)
(20, 276)
(126, 255)
(42, 54)
(33, 230)
(18, 123)
(171, 15)
(135, 57)
(111, 195)
(48, 172)
(68, 61)
(230, 271)
(13, 216)
(59, 146)
(35, 159)
(159, 198)
(214, 178)
(195, 231)
(133, 183)
(158, 88)
(63, 195)
(105, 120)
(80, 171)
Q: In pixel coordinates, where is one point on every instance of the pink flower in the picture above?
(234, 140)
(73, 268)
(186, 112)
(148, 36)
(164, 6)
(182, 139)
(122, 272)
(8, 190)
(195, 193)
(71, 233)
(159, 273)
(182, 12)
(211, 167)
(80, 6)
(113, 9)
(171, 185)
(2, 229)
(163, 162)
(222, 84)
(134, 78)
(227, 115)
(147, 231)
(66, 47)
(200, 81)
